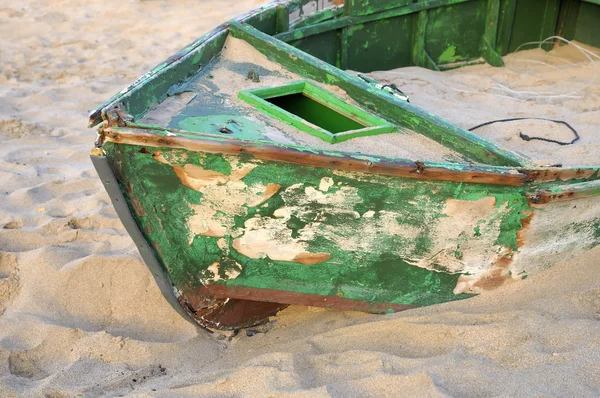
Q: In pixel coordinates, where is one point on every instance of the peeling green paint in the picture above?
(377, 274)
(449, 55)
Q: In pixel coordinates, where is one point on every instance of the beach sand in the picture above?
(80, 315)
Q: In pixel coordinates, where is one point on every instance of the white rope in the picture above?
(527, 95)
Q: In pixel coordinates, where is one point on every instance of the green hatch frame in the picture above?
(373, 124)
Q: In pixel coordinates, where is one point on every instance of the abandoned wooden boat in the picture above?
(252, 172)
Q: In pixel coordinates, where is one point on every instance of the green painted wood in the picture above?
(490, 55)
(491, 22)
(490, 35)
(506, 19)
(282, 19)
(534, 21)
(316, 111)
(549, 22)
(325, 46)
(339, 23)
(586, 28)
(344, 46)
(311, 30)
(366, 52)
(380, 269)
(462, 141)
(368, 7)
(321, 208)
(567, 19)
(419, 56)
(318, 17)
(266, 21)
(454, 32)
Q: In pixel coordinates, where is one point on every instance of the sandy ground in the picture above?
(81, 316)
(563, 84)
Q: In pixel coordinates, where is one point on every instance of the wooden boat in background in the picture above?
(252, 172)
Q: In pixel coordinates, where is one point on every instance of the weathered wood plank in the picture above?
(318, 17)
(566, 192)
(343, 64)
(339, 23)
(282, 19)
(567, 19)
(506, 19)
(490, 35)
(419, 57)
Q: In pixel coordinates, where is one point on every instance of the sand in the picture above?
(563, 84)
(80, 315)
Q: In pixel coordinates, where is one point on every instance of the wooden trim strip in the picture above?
(491, 22)
(317, 17)
(317, 158)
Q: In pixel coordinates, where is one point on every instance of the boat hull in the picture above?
(240, 238)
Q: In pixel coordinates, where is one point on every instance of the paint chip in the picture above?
(325, 184)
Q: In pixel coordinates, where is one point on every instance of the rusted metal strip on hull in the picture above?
(558, 173)
(566, 192)
(333, 160)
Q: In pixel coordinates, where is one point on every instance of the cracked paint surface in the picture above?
(235, 220)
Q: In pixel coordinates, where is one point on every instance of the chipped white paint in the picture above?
(214, 268)
(281, 213)
(222, 244)
(325, 184)
(270, 237)
(557, 232)
(456, 244)
(270, 190)
(223, 196)
(216, 271)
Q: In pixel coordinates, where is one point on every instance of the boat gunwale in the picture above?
(541, 178)
(371, 164)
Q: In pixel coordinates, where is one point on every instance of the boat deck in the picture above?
(208, 104)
